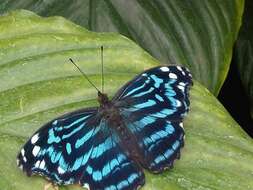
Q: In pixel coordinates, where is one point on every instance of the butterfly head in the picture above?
(103, 99)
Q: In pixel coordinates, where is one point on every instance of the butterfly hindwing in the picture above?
(161, 141)
(153, 106)
(110, 168)
(79, 148)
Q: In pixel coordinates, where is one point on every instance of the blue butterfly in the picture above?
(107, 147)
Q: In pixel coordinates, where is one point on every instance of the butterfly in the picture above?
(107, 147)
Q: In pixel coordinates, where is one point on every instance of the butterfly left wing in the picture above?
(80, 148)
(153, 106)
(51, 150)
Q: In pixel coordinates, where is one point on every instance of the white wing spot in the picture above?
(164, 69)
(181, 87)
(179, 68)
(87, 186)
(60, 170)
(22, 152)
(173, 75)
(181, 125)
(36, 150)
(182, 84)
(178, 103)
(35, 138)
(42, 164)
(24, 158)
(37, 164)
(183, 73)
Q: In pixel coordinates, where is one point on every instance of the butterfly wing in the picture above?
(153, 106)
(80, 148)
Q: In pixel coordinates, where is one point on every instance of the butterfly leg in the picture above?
(49, 184)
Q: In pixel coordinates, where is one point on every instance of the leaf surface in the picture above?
(37, 84)
(197, 34)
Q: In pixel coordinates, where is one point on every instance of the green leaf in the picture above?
(244, 52)
(37, 83)
(197, 34)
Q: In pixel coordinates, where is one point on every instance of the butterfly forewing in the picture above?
(157, 91)
(53, 149)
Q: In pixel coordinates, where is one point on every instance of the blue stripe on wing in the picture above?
(80, 148)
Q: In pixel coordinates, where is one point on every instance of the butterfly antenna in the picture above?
(85, 76)
(102, 68)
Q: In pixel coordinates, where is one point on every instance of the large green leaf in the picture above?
(244, 52)
(197, 34)
(37, 83)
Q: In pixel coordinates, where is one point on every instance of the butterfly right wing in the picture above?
(153, 106)
(80, 148)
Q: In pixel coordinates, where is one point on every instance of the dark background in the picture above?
(235, 100)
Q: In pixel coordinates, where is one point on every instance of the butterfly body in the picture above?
(111, 114)
(107, 147)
